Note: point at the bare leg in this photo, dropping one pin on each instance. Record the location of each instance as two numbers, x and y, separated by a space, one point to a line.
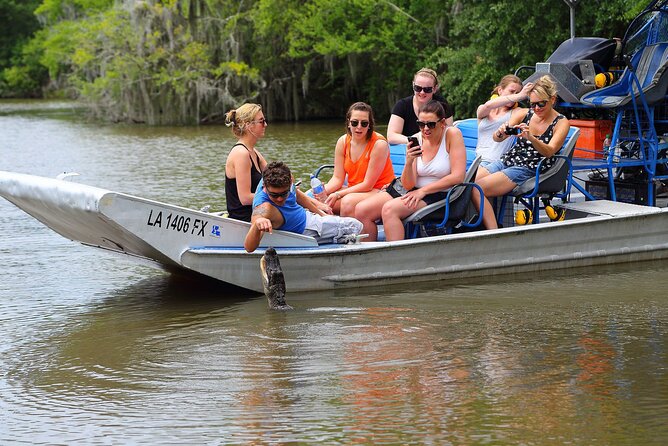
488 217
348 203
368 211
393 212
494 185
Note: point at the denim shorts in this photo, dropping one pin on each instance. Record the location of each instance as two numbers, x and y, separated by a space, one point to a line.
516 174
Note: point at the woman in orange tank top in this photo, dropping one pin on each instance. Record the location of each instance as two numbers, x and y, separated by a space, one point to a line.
361 155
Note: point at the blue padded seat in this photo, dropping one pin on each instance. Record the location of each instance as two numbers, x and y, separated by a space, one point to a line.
650 70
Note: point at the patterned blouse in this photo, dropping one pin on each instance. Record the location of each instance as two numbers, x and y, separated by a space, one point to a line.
523 153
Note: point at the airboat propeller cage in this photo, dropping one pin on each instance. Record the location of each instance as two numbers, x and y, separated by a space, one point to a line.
573 65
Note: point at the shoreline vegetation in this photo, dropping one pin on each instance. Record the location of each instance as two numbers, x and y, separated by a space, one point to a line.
186 62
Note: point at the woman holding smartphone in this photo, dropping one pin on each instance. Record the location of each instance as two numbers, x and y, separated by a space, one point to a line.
433 166
363 157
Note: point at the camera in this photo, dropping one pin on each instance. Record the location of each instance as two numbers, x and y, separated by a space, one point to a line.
513 130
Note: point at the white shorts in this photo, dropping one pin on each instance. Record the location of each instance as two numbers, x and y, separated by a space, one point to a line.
331 228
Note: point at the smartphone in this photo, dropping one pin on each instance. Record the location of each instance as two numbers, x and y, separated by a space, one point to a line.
416 143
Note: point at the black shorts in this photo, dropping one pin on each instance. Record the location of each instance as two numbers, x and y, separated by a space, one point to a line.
433 198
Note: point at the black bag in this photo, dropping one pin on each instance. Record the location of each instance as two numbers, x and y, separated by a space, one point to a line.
396 189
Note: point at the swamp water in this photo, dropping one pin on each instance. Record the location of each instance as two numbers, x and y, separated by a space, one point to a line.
98 350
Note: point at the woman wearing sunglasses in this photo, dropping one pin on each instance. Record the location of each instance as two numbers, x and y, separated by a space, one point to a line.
404 113
540 130
362 156
244 164
499 109
433 166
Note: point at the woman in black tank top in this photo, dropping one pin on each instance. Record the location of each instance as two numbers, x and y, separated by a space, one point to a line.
244 164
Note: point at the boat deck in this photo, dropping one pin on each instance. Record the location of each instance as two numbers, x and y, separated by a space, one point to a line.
610 208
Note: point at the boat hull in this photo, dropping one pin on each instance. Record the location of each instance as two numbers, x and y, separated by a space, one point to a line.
173 237
583 243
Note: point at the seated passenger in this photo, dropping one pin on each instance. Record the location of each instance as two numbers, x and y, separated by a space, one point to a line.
244 164
278 204
432 167
498 110
542 132
404 113
362 156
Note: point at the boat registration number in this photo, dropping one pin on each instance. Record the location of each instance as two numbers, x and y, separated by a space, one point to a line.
177 222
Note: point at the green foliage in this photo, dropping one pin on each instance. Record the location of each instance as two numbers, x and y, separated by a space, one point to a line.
17 23
53 11
188 61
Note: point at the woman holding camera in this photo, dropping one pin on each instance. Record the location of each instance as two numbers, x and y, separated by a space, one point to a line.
499 109
404 113
433 165
540 130
362 156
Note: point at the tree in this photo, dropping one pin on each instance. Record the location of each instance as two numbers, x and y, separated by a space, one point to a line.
18 23
188 61
489 39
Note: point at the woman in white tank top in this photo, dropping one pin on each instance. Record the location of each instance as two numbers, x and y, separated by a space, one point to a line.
432 167
496 111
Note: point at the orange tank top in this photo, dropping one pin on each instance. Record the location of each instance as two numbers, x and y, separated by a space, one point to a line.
356 170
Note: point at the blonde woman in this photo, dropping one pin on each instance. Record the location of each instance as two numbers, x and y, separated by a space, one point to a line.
404 113
541 131
244 164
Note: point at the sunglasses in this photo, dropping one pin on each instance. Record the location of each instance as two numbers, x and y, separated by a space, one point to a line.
429 124
419 89
260 121
355 123
283 194
539 104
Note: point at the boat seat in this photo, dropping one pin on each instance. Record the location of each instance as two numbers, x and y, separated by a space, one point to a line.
469 129
573 66
452 212
647 68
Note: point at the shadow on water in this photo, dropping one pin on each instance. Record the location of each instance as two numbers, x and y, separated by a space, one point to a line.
617 281
127 334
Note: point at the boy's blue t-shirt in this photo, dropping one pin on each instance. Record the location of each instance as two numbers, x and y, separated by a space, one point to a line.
294 215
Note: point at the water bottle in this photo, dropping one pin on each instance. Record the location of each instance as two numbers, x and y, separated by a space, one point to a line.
318 189
606 145
618 152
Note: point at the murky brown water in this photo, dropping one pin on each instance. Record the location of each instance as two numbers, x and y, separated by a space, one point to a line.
96 350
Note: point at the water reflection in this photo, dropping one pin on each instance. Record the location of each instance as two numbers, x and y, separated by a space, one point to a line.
449 364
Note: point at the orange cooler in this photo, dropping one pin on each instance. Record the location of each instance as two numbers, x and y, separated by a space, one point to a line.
592 135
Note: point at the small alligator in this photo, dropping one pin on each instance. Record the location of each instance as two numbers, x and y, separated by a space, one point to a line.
273 280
